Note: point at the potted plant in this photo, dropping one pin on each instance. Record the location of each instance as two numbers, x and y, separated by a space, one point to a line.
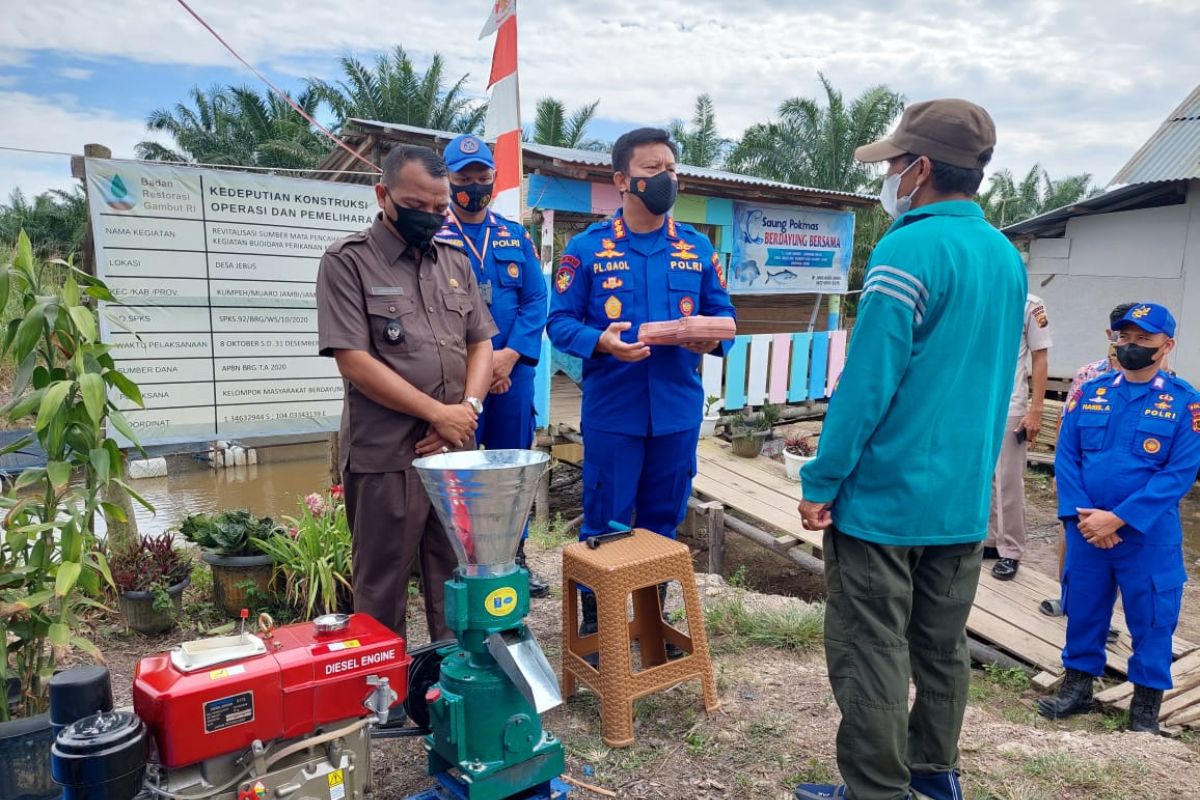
312 556
708 426
798 450
748 432
62 396
150 576
230 546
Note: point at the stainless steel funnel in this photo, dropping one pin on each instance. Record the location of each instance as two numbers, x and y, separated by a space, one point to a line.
482 498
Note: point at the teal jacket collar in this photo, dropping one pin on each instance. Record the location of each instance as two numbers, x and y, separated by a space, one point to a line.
946 208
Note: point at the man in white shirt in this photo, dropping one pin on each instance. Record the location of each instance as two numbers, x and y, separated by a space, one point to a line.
1006 527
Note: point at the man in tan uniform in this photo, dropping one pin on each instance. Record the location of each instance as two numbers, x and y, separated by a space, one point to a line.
402 315
1006 525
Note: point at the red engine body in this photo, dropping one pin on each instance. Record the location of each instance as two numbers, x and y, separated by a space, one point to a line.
304 680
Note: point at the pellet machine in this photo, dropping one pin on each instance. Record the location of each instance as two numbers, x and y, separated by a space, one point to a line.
289 713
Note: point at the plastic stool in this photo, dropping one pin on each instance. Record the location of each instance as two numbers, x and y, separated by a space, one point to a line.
615 571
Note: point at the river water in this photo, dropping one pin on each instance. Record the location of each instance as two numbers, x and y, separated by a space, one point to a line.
274 488
271 489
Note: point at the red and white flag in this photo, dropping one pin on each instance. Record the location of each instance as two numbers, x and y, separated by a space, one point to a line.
504 109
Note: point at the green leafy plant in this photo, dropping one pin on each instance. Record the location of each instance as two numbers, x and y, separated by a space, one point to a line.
50 568
312 556
711 402
153 564
230 533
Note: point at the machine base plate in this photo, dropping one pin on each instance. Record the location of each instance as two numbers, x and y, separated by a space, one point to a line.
451 788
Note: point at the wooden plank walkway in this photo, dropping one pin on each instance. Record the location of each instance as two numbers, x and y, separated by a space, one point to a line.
1005 615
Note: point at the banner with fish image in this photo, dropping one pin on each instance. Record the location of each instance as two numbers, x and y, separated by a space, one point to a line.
790 250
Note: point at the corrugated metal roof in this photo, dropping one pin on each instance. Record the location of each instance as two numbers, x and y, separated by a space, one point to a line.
1118 198
1172 153
598 158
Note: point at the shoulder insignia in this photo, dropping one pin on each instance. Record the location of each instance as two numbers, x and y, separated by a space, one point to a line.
565 275
618 226
1039 314
671 231
720 268
452 241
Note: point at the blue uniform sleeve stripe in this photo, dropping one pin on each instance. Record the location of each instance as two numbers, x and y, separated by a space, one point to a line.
922 292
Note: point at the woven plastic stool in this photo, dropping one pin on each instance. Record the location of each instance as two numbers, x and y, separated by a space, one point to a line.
615 571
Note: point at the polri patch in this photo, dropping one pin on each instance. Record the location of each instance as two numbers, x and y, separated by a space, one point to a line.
1151 445
1195 409
514 271
686 306
1039 314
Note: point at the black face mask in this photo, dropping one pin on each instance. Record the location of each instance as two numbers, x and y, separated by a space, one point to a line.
473 196
656 193
1135 356
416 227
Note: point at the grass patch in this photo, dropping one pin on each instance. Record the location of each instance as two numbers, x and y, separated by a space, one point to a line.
1012 679
740 577
1059 772
799 630
552 535
815 771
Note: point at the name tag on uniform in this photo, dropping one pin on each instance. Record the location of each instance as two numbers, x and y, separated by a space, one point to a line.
485 291
387 291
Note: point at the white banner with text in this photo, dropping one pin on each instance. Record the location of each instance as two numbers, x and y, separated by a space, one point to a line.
215 273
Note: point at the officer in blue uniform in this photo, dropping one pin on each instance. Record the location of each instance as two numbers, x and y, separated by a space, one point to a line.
1127 454
510 281
642 406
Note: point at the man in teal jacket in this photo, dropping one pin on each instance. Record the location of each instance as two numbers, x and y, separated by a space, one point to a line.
902 480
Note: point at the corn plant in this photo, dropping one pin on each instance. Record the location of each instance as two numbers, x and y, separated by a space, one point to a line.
50 567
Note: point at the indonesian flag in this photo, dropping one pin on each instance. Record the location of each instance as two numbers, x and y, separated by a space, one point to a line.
504 109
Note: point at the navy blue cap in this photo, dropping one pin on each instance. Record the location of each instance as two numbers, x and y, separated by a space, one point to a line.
1150 317
465 150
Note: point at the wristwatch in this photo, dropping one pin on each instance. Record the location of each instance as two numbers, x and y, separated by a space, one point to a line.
474 403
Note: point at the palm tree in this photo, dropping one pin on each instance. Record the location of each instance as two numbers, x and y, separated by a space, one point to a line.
394 91
277 134
54 221
237 126
811 145
1006 201
204 132
701 145
553 127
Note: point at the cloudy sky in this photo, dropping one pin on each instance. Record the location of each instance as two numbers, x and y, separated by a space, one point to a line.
1076 86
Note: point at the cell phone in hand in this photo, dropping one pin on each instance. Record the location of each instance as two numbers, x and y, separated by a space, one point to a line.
1021 435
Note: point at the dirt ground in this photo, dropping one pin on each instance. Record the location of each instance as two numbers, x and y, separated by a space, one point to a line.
777 722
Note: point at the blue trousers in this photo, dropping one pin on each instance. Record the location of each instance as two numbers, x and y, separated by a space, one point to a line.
647 477
508 419
1150 577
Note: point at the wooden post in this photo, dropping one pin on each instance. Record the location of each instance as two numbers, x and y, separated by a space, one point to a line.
541 500
87 259
714 518
335 469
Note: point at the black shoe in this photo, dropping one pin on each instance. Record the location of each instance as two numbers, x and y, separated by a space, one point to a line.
1005 569
537 586
1074 697
990 554
673 650
1143 710
589 625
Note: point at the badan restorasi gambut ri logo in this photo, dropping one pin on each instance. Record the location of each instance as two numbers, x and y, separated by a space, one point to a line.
119 195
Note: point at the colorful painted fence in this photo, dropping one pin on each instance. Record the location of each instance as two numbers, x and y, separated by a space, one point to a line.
777 368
